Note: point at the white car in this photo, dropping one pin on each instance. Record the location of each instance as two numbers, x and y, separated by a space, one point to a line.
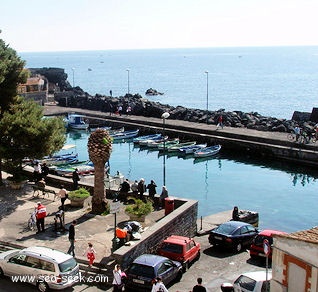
41 266
250 282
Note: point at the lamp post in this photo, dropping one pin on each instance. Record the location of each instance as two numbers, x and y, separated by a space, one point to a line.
127 80
207 96
73 69
164 116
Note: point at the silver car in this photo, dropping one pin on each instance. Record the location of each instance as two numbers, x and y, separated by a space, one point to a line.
41 266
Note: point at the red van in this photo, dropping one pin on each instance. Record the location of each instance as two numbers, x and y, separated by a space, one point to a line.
257 249
180 248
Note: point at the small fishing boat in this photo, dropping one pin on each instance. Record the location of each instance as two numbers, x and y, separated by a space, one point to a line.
76 122
125 135
207 151
165 145
146 137
83 168
191 148
157 139
175 148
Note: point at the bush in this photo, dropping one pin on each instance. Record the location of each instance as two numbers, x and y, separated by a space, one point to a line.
81 193
139 208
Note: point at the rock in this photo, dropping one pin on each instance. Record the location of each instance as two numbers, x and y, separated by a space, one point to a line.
152 91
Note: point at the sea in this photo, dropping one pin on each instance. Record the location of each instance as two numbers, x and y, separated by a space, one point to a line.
273 81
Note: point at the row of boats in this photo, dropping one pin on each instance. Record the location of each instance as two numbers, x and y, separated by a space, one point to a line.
157 141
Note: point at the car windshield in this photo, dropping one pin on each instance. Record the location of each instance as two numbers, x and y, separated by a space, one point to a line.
142 270
171 247
225 229
260 239
68 265
246 283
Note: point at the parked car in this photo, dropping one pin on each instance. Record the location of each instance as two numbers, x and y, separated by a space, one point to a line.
233 234
250 282
257 246
52 269
145 268
180 248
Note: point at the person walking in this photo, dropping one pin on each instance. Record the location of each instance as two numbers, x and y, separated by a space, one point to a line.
220 122
199 287
71 238
117 282
37 172
63 196
40 214
75 178
90 253
134 187
163 196
158 286
152 189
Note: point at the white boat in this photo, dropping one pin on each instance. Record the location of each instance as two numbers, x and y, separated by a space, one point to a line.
146 137
77 122
191 148
175 148
164 144
156 139
125 135
207 151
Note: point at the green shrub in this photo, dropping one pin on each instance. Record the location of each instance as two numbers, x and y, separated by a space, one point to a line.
81 193
139 208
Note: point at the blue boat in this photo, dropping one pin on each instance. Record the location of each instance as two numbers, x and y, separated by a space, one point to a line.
76 122
191 148
207 151
125 135
146 137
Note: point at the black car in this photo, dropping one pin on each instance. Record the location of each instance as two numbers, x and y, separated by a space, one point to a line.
147 267
233 234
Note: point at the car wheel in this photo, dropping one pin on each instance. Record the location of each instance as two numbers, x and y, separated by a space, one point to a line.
42 286
1 273
198 256
185 266
238 247
179 276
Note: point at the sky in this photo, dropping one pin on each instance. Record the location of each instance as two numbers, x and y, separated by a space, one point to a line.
77 25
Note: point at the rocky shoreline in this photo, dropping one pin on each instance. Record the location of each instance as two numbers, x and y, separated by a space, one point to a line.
140 106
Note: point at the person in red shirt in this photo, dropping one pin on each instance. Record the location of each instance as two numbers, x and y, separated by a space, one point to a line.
40 214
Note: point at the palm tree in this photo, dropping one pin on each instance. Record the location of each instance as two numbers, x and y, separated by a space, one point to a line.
99 149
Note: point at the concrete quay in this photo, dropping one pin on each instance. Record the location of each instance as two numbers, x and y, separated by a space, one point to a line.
273 145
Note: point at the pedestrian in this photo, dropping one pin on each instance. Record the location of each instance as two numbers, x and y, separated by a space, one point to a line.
76 178
111 93
63 196
37 171
158 286
297 131
134 187
40 214
163 196
110 109
220 122
141 188
120 110
235 214
152 189
117 282
71 238
90 254
128 110
199 287
45 170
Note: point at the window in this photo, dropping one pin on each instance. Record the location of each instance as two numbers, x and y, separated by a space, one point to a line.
33 262
164 267
18 259
246 283
47 266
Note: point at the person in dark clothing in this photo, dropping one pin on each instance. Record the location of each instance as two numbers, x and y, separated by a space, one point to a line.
199 287
152 189
235 214
76 178
141 188
45 170
71 238
125 186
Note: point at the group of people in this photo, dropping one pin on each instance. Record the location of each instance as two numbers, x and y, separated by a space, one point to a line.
40 171
140 188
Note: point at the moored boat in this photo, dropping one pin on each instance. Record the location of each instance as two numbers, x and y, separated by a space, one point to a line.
146 137
76 122
191 148
176 147
169 143
207 151
157 139
125 135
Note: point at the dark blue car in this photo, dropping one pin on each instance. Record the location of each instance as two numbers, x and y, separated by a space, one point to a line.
147 267
233 235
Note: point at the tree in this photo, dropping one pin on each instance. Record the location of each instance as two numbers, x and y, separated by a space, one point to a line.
12 73
26 133
99 150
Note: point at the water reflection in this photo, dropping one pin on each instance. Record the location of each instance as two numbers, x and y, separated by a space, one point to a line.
302 178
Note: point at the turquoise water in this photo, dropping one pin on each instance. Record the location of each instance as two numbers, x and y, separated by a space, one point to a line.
284 195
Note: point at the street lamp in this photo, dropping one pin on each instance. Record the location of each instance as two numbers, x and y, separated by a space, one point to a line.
164 116
73 69
207 96
128 80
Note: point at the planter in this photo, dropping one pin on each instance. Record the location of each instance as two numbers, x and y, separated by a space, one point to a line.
16 185
77 202
133 217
